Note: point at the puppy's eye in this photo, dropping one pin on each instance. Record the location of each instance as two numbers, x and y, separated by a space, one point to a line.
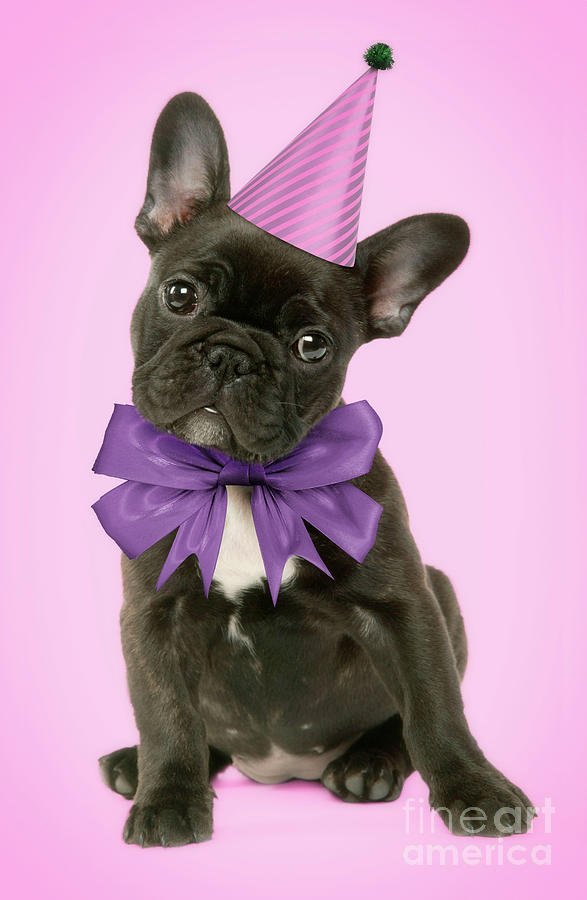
180 297
311 347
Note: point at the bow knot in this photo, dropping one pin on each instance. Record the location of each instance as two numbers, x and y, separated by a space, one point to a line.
173 486
236 472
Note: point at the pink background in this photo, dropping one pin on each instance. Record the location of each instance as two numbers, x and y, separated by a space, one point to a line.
482 400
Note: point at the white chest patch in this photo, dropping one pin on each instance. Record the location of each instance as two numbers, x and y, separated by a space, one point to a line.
240 564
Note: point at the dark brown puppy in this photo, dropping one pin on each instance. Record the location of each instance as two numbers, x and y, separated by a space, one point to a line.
242 342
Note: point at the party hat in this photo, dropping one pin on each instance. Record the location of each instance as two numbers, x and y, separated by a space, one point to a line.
310 194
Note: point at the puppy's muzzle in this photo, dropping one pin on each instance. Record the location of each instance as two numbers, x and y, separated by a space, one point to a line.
195 365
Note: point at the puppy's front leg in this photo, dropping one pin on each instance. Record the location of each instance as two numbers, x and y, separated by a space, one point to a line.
173 802
406 638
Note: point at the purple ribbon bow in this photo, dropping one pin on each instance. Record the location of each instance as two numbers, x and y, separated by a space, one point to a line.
172 485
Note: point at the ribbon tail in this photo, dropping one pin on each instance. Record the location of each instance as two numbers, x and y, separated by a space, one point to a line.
200 534
281 534
342 512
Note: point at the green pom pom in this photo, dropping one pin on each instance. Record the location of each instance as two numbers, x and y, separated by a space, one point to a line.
379 56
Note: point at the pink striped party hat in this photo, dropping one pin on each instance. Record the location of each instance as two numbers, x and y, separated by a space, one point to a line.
310 194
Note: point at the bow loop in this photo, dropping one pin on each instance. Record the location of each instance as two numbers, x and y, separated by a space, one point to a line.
340 447
172 485
134 449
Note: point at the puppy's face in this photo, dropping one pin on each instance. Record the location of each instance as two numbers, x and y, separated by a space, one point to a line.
242 341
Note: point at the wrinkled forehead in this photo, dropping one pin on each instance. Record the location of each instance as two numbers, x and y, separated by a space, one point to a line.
220 237
253 275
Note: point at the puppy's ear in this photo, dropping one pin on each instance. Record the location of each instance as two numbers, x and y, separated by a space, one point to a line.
188 167
403 263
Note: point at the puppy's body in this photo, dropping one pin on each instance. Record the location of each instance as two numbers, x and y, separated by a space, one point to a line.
242 342
276 681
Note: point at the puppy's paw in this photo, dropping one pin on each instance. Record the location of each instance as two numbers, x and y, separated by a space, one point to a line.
119 771
482 803
168 825
364 777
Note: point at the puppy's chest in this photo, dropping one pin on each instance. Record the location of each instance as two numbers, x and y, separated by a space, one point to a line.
240 564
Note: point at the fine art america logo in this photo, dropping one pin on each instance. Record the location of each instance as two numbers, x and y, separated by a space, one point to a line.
421 823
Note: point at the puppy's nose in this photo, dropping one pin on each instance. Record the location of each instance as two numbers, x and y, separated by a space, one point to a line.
229 363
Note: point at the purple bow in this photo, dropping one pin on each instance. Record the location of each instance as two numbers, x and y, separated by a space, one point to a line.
172 485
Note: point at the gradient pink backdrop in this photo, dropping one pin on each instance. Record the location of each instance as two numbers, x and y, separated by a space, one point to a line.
482 400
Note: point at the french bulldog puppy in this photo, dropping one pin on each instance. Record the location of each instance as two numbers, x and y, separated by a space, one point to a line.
241 343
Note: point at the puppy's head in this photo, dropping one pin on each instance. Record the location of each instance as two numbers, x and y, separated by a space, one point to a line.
242 341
